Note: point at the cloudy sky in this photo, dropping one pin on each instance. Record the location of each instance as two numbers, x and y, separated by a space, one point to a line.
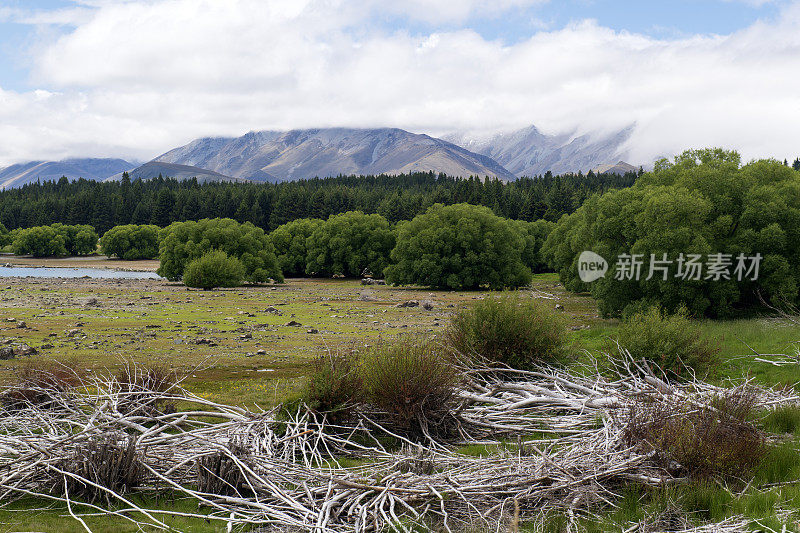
134 78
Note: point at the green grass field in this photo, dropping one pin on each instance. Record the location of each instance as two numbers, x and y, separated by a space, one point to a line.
235 346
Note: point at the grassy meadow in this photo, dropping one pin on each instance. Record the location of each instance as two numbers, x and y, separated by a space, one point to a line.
253 345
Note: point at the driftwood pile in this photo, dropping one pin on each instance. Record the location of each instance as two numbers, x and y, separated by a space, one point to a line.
558 436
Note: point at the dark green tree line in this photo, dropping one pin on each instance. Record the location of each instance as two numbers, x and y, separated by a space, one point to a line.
162 201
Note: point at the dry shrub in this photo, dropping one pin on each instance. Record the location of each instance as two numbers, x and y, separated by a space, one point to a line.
334 385
111 462
518 332
140 388
219 473
41 384
412 381
701 442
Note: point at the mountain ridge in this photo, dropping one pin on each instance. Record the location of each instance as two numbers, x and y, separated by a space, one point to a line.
275 156
297 154
529 152
153 169
98 169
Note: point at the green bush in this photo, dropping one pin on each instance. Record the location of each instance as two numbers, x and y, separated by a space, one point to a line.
350 244
183 242
39 241
458 247
78 239
5 236
290 240
55 240
509 330
131 242
413 381
674 343
703 203
534 234
214 269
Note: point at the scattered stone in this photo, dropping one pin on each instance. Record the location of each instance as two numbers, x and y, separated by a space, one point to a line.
9 319
250 354
206 341
427 305
74 332
261 351
22 325
91 300
410 303
246 336
293 323
272 310
17 350
367 296
313 331
559 307
46 346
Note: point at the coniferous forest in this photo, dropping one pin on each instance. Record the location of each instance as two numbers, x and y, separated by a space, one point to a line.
162 201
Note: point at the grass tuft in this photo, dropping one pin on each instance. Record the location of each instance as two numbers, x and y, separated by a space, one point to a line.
510 330
413 381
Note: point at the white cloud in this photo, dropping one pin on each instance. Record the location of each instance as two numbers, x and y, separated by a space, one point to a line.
138 78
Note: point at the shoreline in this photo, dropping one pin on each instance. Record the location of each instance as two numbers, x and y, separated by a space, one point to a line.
100 262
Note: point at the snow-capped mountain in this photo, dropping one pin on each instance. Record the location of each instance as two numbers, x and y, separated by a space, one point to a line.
529 152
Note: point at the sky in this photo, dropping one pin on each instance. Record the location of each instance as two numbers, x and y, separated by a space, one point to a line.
135 78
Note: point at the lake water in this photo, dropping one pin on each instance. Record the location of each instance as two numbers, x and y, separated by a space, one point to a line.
59 272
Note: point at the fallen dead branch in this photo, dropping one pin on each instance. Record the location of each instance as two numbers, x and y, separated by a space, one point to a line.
278 469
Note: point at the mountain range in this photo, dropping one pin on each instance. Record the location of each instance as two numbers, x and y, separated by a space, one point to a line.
90 169
528 152
276 156
297 154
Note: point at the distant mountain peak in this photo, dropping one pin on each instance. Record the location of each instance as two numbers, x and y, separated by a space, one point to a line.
153 169
529 152
621 167
321 152
88 168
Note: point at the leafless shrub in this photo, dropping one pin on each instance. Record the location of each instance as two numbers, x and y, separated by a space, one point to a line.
40 383
221 473
421 462
111 462
702 441
140 388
